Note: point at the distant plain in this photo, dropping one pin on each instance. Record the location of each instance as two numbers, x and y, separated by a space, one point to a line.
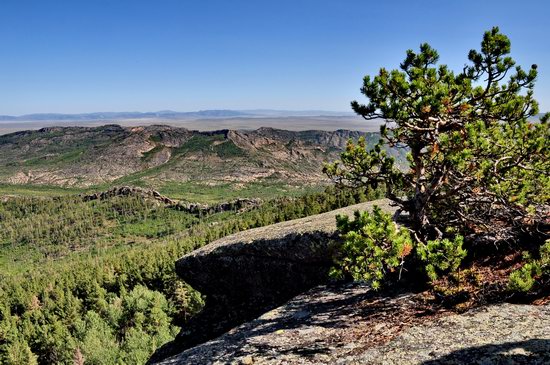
292 123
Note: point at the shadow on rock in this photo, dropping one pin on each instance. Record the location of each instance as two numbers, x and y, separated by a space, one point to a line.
242 280
532 352
250 338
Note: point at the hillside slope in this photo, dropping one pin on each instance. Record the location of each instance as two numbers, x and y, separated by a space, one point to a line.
159 155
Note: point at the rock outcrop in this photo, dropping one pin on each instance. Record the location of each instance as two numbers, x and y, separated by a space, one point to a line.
248 273
268 302
237 205
128 191
352 325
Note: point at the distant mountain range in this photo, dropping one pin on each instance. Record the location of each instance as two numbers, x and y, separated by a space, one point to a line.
537 117
169 114
173 115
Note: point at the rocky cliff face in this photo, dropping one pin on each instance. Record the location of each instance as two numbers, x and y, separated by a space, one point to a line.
248 273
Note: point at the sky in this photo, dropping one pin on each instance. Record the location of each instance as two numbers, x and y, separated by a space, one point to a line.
76 56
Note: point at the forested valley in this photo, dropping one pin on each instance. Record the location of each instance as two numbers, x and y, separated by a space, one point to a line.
95 280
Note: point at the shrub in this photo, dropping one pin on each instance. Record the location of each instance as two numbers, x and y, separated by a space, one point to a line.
525 278
441 256
374 250
373 247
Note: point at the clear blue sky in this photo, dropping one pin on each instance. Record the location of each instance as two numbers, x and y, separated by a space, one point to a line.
116 55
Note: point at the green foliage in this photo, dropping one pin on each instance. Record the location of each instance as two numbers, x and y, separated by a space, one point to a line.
186 300
19 353
97 340
33 229
36 190
523 279
441 256
199 144
373 247
267 189
375 250
526 277
228 149
475 158
148 155
110 294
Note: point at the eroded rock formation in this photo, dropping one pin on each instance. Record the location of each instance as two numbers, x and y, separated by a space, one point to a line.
237 205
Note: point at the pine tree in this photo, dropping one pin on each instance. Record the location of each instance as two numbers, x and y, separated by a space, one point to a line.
477 162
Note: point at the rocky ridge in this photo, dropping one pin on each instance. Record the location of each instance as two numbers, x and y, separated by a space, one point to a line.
86 156
238 205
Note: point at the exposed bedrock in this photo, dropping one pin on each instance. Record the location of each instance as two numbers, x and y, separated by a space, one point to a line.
251 272
236 205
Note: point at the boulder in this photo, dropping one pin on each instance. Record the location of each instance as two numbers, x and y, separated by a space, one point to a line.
248 273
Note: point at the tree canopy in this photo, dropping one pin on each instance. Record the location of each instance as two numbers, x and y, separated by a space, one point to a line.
478 160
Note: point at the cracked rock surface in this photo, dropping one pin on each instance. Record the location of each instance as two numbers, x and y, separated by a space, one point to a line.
351 325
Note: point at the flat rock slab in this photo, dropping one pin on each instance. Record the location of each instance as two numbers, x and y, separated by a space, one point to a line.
267 264
241 256
262 268
352 325
324 222
497 334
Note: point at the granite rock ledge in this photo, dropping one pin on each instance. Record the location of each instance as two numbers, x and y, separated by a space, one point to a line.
248 273
351 325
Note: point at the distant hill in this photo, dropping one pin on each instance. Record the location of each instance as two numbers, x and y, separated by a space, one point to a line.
296 113
168 114
537 117
162 156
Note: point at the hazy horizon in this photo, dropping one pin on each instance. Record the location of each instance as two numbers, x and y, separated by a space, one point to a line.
292 123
